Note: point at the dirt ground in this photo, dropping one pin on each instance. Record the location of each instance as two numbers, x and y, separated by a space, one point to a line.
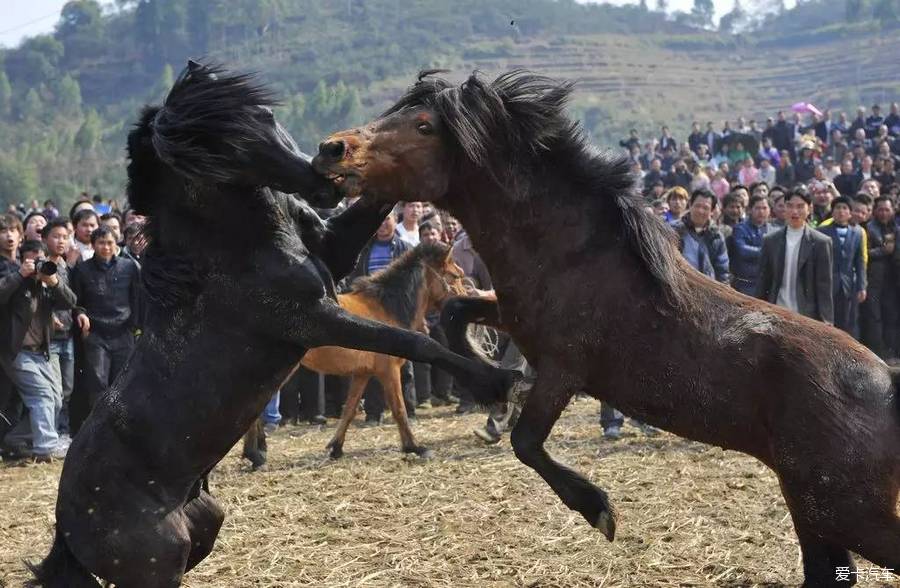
689 515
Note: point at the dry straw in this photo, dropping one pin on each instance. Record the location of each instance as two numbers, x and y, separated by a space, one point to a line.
690 515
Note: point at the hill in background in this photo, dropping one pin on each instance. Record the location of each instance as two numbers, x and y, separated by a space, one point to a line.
66 99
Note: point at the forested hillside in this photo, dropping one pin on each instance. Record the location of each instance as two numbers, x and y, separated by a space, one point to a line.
66 99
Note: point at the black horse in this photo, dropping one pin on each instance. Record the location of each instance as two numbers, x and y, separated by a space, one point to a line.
594 292
238 278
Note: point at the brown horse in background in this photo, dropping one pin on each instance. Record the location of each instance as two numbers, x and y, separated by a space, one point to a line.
594 292
413 285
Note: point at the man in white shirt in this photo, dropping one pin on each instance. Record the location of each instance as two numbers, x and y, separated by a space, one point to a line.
795 266
408 229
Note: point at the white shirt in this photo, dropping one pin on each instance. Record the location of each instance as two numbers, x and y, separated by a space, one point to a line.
787 295
86 250
410 236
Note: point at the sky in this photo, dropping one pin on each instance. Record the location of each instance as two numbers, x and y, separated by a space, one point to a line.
24 18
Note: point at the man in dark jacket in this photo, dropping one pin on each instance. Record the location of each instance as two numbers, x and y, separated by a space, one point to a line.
878 313
795 266
701 242
28 296
747 240
108 291
849 270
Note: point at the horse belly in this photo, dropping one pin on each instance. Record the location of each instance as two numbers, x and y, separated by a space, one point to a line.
338 361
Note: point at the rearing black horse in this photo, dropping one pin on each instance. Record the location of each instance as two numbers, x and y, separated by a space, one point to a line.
238 277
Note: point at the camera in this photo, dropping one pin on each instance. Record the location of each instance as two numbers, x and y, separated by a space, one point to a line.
45 267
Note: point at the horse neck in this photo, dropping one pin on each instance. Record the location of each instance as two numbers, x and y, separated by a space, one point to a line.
404 296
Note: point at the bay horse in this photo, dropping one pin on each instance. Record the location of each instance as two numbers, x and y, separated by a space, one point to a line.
594 292
416 283
239 282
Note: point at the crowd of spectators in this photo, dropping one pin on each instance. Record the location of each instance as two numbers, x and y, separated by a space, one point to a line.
800 213
70 308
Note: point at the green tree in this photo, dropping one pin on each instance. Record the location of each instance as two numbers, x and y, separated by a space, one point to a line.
730 21
67 96
88 135
855 10
702 13
18 183
662 5
147 24
886 11
32 106
5 95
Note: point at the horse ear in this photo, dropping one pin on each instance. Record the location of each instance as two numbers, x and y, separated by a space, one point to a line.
194 66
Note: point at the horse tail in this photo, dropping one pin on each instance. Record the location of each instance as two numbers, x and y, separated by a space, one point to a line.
60 569
895 382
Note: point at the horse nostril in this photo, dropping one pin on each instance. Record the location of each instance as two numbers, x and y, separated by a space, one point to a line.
332 149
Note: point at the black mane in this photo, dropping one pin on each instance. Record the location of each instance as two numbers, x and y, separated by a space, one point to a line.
513 126
208 116
397 286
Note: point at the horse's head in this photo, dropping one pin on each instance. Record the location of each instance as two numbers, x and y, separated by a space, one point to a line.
438 130
218 128
443 277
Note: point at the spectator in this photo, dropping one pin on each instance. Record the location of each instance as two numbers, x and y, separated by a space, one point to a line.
113 222
805 169
701 242
660 208
838 148
99 207
874 121
767 173
86 222
667 142
408 229
860 141
732 210
847 182
892 122
747 240
27 300
768 153
34 224
677 200
887 175
795 264
711 138
632 141
738 155
50 211
849 269
784 173
696 138
842 123
824 127
865 170
878 314
720 186
823 192
653 175
57 239
108 290
859 123
783 135
680 176
748 173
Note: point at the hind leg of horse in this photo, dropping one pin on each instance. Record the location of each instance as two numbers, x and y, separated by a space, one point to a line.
551 393
354 395
203 517
393 395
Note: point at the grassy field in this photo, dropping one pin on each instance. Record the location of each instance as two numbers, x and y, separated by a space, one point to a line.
690 515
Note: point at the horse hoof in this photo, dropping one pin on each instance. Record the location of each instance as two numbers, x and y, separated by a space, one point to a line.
605 524
335 451
424 453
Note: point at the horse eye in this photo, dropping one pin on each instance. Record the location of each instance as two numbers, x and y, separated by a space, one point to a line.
425 128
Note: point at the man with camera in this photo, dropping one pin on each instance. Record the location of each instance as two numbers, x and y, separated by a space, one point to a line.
28 295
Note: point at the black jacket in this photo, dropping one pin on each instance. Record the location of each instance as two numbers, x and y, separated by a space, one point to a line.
814 272
16 294
109 294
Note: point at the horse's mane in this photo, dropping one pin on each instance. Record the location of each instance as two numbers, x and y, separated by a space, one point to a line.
507 126
396 287
177 152
209 102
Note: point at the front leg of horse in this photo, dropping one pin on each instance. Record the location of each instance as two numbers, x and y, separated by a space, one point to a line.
328 324
546 401
203 518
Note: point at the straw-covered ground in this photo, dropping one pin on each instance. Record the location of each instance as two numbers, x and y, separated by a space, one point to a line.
472 516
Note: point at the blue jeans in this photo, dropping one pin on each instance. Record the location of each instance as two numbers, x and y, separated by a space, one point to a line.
62 358
271 414
37 385
610 417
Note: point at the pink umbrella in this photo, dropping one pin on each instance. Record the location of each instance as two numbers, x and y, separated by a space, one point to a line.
806 107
